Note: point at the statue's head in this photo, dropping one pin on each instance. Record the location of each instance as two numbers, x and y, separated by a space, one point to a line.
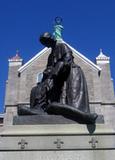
47 39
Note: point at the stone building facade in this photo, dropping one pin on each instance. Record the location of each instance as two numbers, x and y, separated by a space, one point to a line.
22 77
58 141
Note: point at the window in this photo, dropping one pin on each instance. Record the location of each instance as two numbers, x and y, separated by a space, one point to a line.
39 77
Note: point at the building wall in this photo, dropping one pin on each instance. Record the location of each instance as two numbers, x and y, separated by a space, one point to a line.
100 87
28 78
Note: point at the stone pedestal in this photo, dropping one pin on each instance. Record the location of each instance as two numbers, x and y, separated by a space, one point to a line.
57 142
47 119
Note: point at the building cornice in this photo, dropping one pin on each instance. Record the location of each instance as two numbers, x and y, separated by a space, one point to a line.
75 52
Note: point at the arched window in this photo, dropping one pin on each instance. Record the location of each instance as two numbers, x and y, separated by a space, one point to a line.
39 77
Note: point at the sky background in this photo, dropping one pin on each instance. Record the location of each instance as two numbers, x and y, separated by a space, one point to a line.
88 26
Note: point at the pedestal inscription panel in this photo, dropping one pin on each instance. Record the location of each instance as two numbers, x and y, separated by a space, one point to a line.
59 155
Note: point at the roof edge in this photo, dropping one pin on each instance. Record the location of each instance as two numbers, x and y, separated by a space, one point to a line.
22 68
86 60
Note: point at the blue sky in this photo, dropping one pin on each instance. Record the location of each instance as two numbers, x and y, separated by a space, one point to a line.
88 26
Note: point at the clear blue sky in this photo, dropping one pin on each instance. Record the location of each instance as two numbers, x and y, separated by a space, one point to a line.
88 26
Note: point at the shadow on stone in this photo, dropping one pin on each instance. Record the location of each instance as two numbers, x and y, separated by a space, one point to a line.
91 128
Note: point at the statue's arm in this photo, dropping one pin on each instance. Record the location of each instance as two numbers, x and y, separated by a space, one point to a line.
63 64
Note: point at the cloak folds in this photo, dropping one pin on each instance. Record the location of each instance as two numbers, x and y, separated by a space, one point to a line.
69 95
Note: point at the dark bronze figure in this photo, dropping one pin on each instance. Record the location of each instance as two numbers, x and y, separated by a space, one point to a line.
63 89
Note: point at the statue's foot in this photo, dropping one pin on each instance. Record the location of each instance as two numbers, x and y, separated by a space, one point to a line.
24 110
91 118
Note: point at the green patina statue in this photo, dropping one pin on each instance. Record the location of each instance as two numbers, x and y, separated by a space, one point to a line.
58 28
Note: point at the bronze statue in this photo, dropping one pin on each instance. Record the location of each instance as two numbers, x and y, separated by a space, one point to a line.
63 89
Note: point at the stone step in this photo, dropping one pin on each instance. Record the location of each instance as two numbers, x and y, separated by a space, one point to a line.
56 137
